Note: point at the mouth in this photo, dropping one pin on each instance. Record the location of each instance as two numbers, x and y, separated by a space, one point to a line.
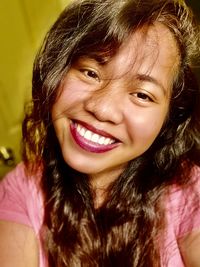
92 139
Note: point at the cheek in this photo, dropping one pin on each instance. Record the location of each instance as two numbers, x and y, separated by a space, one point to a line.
146 126
71 93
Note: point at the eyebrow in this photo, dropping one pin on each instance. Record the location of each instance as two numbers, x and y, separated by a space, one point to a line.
101 60
98 58
150 79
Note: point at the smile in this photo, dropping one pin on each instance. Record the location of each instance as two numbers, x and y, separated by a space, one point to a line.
90 140
96 138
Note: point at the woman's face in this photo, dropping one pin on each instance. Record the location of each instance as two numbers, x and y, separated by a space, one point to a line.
110 112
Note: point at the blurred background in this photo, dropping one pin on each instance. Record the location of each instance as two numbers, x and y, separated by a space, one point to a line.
23 24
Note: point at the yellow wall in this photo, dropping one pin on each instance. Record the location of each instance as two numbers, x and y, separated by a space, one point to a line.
23 24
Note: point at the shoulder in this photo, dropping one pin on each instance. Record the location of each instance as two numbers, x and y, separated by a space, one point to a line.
183 204
21 198
20 206
189 240
190 248
18 245
182 231
18 177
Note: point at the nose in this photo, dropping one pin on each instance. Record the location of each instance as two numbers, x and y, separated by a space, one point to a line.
106 105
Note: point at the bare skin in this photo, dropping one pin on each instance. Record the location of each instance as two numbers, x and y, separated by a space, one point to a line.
121 99
18 245
190 249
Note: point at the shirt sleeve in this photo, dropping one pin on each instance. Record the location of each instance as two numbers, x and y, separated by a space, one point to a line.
184 206
20 201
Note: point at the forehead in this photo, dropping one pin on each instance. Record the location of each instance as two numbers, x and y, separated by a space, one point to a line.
150 51
150 45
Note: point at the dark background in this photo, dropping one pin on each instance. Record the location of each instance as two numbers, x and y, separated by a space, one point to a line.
195 5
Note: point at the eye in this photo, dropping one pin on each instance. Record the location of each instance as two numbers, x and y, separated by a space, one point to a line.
144 96
91 74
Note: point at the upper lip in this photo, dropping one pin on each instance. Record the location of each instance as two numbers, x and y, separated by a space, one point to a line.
95 130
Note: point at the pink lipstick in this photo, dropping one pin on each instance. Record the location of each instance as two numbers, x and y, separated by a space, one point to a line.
108 144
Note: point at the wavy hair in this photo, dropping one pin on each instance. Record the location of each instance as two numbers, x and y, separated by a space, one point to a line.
125 230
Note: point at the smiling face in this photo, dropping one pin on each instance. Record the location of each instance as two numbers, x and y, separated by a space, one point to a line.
110 112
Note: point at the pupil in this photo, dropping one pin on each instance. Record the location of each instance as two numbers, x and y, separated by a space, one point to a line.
141 95
92 74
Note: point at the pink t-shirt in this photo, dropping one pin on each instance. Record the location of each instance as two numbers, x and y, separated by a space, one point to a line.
21 202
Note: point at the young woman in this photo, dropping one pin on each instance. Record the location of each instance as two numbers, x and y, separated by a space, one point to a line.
111 140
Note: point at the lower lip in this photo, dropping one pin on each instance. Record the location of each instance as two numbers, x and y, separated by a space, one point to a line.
88 145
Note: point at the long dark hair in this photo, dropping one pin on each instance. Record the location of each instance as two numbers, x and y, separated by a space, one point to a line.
125 230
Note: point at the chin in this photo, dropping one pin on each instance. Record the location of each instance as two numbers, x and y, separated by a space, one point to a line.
79 165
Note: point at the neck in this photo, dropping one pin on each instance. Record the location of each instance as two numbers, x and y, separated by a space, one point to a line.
100 183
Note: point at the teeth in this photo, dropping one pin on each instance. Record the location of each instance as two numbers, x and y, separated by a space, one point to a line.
78 128
107 141
88 135
101 140
82 131
96 138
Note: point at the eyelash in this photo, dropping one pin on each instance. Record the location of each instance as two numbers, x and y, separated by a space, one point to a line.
91 74
143 97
